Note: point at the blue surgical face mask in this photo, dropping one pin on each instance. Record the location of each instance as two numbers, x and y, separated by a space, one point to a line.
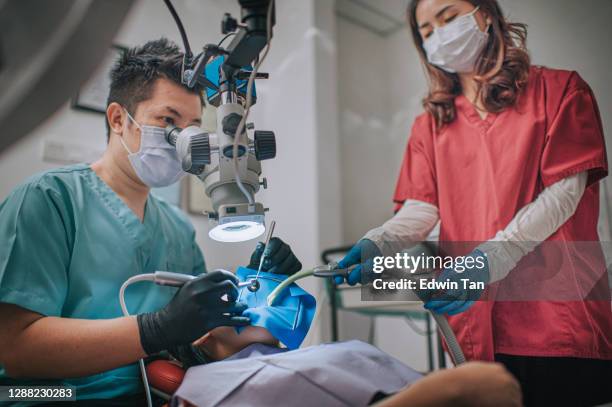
456 46
156 163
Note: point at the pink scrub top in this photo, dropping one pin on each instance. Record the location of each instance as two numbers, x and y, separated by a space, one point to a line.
480 173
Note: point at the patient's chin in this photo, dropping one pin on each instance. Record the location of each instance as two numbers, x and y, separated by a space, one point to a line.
228 341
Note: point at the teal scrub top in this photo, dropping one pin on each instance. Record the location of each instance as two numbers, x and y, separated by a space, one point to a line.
68 244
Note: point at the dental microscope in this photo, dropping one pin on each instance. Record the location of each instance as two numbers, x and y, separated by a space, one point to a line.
228 161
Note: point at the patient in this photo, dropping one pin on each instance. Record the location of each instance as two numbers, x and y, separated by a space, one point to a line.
250 368
223 342
473 384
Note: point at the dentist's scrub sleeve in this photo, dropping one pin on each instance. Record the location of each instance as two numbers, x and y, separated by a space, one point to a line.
480 172
68 244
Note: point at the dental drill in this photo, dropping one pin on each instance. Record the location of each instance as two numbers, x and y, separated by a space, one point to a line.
170 279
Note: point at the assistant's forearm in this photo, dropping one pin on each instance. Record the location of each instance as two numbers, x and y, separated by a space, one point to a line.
410 225
53 347
533 224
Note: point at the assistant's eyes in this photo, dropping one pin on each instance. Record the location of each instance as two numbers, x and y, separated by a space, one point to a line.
426 32
449 19
168 120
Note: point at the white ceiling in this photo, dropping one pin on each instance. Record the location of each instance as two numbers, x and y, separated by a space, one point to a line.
383 17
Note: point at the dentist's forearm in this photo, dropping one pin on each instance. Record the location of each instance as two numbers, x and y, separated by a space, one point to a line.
53 347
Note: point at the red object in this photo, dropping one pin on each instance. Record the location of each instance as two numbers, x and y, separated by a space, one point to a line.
165 375
481 172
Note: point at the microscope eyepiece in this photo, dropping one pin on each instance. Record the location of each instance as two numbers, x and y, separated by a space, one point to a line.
172 133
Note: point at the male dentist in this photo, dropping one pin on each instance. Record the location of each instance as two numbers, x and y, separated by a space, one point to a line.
71 236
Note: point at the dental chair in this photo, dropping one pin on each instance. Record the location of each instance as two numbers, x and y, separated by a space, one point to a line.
164 377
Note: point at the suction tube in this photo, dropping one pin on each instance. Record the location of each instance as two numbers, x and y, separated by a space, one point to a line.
449 337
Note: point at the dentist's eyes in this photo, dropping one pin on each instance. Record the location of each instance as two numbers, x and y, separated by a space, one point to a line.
168 120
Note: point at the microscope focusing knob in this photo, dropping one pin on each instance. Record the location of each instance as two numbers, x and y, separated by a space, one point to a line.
230 123
200 150
265 145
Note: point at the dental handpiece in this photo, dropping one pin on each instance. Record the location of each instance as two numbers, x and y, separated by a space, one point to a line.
168 278
171 279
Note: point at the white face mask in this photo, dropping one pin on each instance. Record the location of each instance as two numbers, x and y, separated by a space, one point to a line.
156 163
456 46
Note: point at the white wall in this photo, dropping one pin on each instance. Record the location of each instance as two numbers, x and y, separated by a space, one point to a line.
297 102
380 87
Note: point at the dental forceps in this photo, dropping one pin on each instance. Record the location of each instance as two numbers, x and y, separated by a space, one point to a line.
331 270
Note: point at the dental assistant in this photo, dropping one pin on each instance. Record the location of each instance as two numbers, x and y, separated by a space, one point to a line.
71 236
507 155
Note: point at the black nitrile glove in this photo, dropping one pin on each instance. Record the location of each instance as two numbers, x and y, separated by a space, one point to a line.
196 308
279 258
189 355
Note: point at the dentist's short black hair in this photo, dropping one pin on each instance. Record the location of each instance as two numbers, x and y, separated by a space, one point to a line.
137 69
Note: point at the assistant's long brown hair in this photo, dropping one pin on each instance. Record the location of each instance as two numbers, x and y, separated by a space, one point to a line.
502 69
